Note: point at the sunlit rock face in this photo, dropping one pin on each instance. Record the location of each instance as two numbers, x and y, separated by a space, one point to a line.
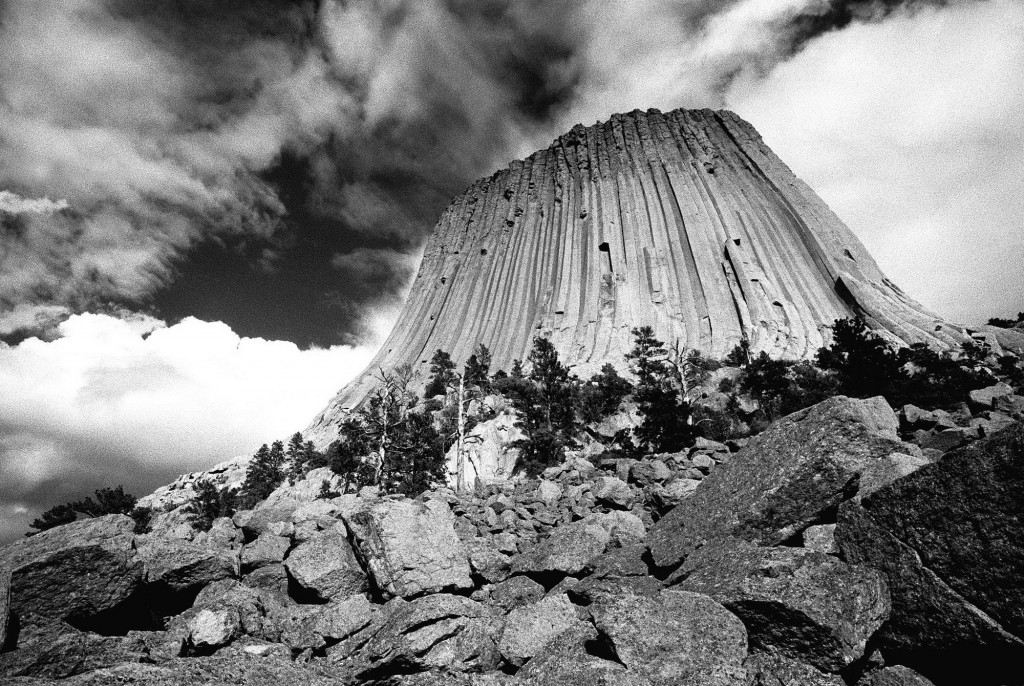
685 221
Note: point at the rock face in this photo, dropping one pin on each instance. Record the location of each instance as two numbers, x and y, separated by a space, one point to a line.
685 221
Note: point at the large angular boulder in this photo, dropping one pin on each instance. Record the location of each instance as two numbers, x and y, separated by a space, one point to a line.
326 567
673 638
180 566
950 539
568 550
435 631
76 572
410 547
783 480
50 649
565 661
799 603
267 549
529 628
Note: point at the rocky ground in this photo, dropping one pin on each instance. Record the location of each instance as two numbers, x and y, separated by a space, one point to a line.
846 544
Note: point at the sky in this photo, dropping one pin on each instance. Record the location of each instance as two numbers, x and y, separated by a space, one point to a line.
210 210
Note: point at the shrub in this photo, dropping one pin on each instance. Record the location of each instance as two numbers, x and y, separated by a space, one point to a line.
666 426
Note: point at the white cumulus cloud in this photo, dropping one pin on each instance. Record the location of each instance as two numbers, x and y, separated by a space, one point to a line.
131 400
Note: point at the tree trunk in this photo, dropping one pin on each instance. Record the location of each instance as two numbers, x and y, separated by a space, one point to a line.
460 451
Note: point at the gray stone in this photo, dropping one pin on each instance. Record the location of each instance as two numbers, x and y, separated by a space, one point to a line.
897 675
50 649
434 631
985 398
913 418
326 565
783 480
485 560
888 469
948 439
411 547
531 627
271 578
796 602
674 638
566 662
1012 405
76 571
821 538
567 551
650 471
516 592
210 629
181 566
949 538
769 669
266 550
548 492
614 492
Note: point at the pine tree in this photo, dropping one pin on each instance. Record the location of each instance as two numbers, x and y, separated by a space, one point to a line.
442 374
545 403
477 370
209 503
104 501
264 474
658 392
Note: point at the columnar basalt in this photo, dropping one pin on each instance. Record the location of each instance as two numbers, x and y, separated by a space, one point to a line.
685 221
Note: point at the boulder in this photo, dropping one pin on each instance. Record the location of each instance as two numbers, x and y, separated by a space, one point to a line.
888 469
799 603
673 638
565 661
51 649
769 669
821 538
211 629
950 539
79 572
783 480
516 592
410 547
531 627
567 551
613 492
487 562
267 549
897 675
948 439
648 472
1012 405
325 566
182 566
434 631
985 398
913 418
548 492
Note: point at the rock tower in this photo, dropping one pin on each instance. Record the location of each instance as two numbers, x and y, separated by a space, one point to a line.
685 221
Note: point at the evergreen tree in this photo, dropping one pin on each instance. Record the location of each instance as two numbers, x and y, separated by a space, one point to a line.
347 456
442 374
103 501
417 457
209 503
863 361
264 474
477 370
545 406
666 426
602 394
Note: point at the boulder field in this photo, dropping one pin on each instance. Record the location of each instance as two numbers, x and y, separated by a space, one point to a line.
824 551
